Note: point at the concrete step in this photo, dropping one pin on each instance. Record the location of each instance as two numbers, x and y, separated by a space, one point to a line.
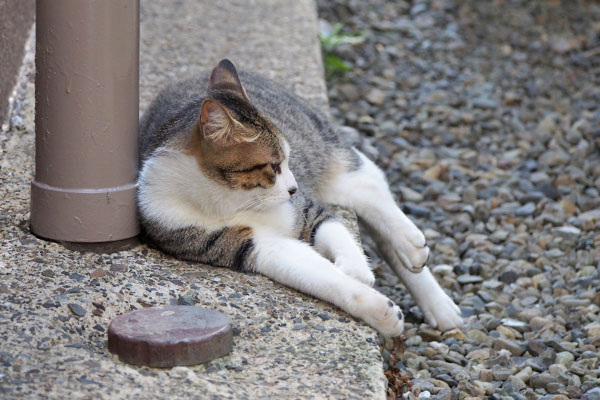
287 345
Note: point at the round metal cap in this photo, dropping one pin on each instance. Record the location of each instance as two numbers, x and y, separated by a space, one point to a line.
168 336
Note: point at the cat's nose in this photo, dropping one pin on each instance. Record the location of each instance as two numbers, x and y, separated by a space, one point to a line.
293 190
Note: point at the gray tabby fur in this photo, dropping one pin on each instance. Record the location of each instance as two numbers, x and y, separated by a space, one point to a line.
312 137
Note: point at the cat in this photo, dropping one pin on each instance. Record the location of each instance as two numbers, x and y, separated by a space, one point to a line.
237 176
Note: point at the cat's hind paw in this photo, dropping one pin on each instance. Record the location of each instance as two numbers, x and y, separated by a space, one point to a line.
412 250
440 311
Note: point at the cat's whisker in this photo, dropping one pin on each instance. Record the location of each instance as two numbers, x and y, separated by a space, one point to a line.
250 203
261 201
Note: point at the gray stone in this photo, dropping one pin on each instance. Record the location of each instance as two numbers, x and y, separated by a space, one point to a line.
467 311
534 364
444 394
413 341
592 394
588 271
555 387
554 158
349 91
500 373
525 210
588 216
554 253
549 190
410 195
535 347
499 236
448 379
557 370
509 345
524 374
492 284
77 309
485 103
567 231
547 357
513 384
541 381
509 276
417 211
466 279
578 367
375 96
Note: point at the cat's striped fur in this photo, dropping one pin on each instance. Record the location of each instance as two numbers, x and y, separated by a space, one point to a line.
230 246
236 176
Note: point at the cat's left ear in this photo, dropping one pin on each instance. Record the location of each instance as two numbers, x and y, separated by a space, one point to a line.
216 122
224 76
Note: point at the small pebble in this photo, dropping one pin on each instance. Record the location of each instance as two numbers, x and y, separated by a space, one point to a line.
77 309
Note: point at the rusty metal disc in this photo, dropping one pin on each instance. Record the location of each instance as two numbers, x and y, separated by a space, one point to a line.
168 336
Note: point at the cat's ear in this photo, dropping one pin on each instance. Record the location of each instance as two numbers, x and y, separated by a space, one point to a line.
215 121
224 76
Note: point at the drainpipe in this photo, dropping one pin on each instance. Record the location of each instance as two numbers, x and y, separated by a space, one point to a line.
86 120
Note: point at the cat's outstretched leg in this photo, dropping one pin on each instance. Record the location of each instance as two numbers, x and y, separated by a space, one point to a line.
296 264
438 308
365 190
333 241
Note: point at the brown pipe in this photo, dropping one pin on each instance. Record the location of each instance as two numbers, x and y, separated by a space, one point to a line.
86 120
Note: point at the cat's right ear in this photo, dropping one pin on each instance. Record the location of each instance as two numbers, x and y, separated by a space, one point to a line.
224 76
216 124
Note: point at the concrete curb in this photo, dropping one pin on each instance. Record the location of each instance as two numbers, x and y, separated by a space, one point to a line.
285 344
16 18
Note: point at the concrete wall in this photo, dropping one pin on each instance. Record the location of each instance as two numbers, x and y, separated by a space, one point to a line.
16 17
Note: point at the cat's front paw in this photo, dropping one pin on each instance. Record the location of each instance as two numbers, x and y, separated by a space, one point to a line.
389 319
379 312
356 268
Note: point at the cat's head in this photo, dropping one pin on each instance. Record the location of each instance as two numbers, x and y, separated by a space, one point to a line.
239 148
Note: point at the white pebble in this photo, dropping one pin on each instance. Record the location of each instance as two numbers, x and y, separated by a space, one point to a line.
442 269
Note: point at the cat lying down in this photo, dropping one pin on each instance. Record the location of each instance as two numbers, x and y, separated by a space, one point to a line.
235 176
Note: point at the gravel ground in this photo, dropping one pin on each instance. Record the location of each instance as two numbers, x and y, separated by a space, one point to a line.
485 116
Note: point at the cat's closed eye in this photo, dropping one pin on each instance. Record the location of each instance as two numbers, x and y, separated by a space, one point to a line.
276 167
254 168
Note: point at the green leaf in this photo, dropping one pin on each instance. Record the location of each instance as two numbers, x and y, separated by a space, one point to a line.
334 64
330 42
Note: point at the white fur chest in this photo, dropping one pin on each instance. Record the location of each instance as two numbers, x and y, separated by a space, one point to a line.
278 221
